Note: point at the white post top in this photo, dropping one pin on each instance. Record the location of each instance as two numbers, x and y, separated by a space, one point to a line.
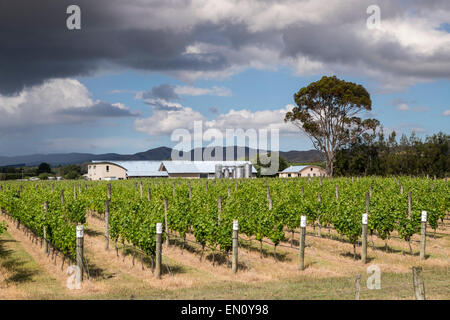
424 216
303 221
235 225
80 231
159 228
364 218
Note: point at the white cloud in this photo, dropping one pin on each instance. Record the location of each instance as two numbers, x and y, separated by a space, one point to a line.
164 122
56 101
246 119
446 113
194 91
403 107
406 107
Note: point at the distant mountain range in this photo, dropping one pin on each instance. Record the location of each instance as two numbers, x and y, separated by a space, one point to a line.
161 153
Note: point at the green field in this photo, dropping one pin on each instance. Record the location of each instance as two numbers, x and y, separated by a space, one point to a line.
196 264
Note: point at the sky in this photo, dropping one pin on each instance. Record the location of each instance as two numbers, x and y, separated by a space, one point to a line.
138 71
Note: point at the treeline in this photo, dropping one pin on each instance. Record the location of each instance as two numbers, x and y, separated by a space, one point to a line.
43 172
376 154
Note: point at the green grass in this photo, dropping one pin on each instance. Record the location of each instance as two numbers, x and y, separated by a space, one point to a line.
393 286
24 273
28 277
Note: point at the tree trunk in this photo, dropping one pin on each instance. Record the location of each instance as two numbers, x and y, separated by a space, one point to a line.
275 252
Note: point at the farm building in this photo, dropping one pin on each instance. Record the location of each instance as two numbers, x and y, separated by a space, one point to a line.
203 169
302 171
122 170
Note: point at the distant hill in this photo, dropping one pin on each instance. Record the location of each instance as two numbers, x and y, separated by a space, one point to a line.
303 156
161 153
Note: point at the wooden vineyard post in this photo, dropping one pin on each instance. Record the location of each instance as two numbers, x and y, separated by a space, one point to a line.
53 187
357 286
419 287
206 186
173 190
166 207
158 250
149 194
337 192
409 205
45 227
365 217
219 206
74 192
319 229
270 202
268 192
234 262
423 233
228 191
364 239
409 218
301 260
62 197
140 189
80 249
107 225
303 191
108 191
190 190
79 188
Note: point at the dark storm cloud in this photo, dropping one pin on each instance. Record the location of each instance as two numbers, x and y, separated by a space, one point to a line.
36 45
160 104
163 91
213 110
99 110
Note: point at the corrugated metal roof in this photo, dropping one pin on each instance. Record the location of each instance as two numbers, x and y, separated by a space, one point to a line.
294 169
147 174
139 168
151 168
200 166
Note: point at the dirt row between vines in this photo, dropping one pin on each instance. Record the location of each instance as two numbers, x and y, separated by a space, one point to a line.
325 258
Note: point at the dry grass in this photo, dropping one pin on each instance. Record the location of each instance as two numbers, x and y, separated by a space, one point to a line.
330 269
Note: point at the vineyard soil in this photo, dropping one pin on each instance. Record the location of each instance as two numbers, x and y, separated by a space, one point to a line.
329 274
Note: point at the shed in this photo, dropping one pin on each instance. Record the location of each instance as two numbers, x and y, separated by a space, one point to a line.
302 171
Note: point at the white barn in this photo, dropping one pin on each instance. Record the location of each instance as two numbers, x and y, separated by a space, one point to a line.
302 171
122 170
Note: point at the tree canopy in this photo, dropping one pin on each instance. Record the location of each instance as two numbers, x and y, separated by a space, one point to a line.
44 168
378 155
328 112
